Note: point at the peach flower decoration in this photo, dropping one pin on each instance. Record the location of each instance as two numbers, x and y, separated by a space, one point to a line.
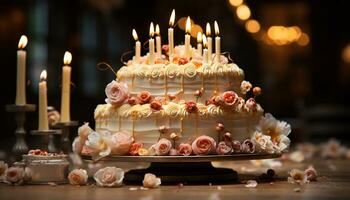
151 181
78 177
109 177
117 93
203 145
162 147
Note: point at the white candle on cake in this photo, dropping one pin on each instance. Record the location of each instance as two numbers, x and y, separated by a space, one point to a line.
43 120
188 38
217 43
21 71
151 44
65 95
209 41
158 41
171 34
205 51
137 46
199 43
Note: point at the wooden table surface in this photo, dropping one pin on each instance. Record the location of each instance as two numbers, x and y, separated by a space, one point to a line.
333 183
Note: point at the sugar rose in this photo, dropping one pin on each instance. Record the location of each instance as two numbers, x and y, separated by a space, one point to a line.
191 107
109 177
156 105
84 131
151 181
120 143
224 148
117 93
134 148
251 104
14 175
229 98
203 145
184 149
78 177
162 147
144 97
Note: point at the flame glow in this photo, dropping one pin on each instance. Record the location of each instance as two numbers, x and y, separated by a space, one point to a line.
172 18
157 30
22 42
188 25
204 41
67 58
208 30
216 28
43 75
151 30
199 37
134 34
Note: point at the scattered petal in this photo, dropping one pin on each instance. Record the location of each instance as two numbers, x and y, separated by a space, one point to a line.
251 184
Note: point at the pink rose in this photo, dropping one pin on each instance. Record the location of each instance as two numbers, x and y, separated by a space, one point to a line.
191 106
132 101
203 145
84 131
78 177
248 146
14 175
216 100
156 105
311 173
229 98
223 148
183 61
173 152
109 177
184 149
236 146
163 147
120 143
144 97
117 93
251 104
134 148
86 150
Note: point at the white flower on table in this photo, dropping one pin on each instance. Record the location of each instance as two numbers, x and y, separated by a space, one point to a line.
109 177
14 175
78 177
297 176
151 181
98 143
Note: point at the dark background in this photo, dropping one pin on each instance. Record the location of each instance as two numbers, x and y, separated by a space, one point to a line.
307 85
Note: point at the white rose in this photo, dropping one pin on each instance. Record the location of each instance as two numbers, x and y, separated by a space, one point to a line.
151 181
14 175
84 131
109 177
78 177
98 144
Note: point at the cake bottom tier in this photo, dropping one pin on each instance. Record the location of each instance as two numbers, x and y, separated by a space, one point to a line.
146 130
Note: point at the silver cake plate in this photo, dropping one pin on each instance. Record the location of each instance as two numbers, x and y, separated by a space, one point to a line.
184 169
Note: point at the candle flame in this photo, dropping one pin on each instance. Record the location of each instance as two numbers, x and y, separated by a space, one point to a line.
151 30
216 28
157 30
208 30
43 75
22 42
199 37
188 25
134 34
204 41
67 58
172 18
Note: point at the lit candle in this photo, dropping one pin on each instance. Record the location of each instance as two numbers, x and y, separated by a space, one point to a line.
171 34
65 97
21 71
217 43
205 51
188 38
43 120
151 44
199 43
137 46
209 41
158 41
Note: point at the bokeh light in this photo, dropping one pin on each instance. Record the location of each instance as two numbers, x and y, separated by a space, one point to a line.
236 2
243 12
252 26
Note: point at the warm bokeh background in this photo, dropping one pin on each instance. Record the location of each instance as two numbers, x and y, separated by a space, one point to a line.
297 51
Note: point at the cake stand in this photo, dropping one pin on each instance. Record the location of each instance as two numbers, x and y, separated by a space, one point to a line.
184 169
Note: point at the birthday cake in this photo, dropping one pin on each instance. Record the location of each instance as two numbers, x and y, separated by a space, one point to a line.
181 102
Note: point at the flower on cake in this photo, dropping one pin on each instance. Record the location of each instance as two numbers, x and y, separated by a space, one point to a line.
98 144
14 175
134 148
3 169
236 146
245 87
191 107
248 146
132 101
78 177
120 143
276 130
144 97
156 105
109 177
224 148
83 133
183 61
117 93
151 181
229 98
203 145
263 142
184 149
163 147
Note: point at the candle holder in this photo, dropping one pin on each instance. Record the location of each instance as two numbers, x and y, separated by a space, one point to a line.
65 127
20 147
45 138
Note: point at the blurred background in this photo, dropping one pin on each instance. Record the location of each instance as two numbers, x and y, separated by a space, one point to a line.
297 51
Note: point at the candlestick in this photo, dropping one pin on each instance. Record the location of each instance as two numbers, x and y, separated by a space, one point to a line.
171 35
43 121
188 38
209 42
151 44
65 95
21 71
158 41
217 43
205 51
137 46
199 43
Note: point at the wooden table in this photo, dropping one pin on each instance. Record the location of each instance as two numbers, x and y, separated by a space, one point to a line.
333 183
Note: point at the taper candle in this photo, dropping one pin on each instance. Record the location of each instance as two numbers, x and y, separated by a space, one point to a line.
158 41
217 43
137 46
65 95
199 43
151 44
209 41
205 51
188 38
21 71
171 34
43 119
